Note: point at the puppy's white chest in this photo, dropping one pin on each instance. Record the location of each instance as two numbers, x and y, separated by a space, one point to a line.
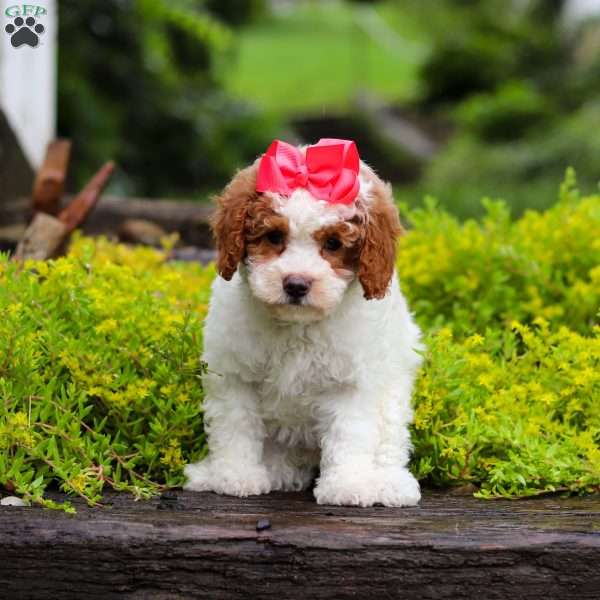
302 365
296 373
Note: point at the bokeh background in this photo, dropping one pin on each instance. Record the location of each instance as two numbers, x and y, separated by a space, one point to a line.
460 99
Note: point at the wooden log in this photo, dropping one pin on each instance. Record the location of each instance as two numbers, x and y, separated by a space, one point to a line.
10 236
49 184
76 212
43 239
140 231
208 546
16 211
46 236
189 219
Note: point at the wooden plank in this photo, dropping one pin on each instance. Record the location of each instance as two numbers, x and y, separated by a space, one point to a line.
207 546
49 184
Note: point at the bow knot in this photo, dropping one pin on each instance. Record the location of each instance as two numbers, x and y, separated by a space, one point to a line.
301 177
329 171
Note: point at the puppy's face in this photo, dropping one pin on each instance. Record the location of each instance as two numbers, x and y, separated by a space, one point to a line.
300 253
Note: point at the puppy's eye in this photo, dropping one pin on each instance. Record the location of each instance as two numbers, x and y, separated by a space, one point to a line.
275 237
332 244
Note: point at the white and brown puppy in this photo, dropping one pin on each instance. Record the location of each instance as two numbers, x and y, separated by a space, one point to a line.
311 349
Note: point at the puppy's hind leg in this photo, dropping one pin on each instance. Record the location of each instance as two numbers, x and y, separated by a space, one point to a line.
290 469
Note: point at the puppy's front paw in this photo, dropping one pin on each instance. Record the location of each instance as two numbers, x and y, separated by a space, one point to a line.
398 487
345 488
390 487
225 478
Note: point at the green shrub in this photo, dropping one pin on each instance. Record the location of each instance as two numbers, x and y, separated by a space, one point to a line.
515 412
477 275
475 50
100 373
507 113
463 63
138 82
509 397
494 80
524 172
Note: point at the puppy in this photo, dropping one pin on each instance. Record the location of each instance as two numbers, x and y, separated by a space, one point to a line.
311 349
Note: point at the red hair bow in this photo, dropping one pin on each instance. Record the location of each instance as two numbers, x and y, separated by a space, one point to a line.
329 171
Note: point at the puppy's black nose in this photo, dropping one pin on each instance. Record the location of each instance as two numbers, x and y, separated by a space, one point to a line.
296 286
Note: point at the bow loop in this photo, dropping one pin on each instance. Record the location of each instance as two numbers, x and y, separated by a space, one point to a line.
329 171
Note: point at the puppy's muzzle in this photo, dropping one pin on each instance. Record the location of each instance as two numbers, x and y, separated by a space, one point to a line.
296 287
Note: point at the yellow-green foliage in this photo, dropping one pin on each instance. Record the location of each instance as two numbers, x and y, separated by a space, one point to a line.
515 413
100 372
509 397
476 275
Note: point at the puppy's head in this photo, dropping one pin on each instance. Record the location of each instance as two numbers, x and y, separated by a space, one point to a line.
301 253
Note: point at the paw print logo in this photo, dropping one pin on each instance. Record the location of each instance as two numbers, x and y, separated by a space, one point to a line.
24 31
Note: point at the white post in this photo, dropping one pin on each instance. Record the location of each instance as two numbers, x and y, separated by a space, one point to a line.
28 73
578 10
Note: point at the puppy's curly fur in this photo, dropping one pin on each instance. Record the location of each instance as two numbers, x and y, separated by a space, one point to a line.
317 382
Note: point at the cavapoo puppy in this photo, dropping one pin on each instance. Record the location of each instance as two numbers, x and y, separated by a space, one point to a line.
311 349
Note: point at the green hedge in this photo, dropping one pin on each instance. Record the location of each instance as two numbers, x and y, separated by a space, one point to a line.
100 371
480 275
100 376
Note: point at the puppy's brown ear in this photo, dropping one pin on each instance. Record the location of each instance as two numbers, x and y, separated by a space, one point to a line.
378 255
229 220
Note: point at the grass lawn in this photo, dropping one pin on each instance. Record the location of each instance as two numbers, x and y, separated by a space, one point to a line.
316 56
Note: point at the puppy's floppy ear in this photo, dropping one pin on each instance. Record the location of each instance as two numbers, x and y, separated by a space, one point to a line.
378 255
229 220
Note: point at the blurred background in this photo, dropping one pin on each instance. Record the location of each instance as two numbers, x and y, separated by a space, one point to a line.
455 98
